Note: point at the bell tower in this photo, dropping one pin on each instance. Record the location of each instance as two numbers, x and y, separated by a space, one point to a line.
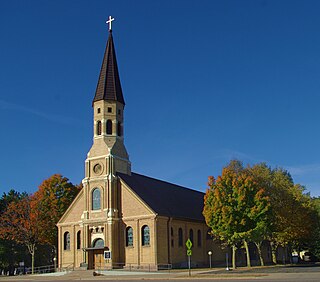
107 157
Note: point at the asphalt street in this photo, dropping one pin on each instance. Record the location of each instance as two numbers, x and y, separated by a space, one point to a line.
279 273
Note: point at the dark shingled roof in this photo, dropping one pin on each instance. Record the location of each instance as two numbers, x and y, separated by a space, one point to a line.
165 198
109 86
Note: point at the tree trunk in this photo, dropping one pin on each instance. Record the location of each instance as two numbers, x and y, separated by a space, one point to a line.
32 263
32 248
247 253
234 249
258 245
274 252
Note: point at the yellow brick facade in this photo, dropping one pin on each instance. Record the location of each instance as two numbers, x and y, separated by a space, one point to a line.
164 247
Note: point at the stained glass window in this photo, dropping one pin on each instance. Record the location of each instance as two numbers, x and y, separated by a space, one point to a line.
180 237
99 127
66 241
129 236
79 240
191 235
96 199
109 126
119 129
199 238
99 243
145 235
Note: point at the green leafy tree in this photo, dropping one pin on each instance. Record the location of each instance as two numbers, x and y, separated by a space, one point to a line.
290 220
235 207
262 175
314 244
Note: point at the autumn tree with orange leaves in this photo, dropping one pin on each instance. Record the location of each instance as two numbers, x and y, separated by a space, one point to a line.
20 223
11 252
52 199
235 207
31 220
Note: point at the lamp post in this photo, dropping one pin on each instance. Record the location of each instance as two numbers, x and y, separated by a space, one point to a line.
55 264
210 254
227 261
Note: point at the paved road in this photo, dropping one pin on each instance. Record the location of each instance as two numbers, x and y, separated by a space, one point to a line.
281 274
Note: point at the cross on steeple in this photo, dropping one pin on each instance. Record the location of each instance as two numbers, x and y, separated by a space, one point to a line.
110 21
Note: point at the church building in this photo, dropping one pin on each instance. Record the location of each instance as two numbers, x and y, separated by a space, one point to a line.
125 219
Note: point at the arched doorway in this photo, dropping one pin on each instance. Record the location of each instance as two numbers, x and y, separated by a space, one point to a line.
95 254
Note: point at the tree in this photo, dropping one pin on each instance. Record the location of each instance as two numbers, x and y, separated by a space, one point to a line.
10 251
262 176
235 207
314 244
19 223
52 199
290 221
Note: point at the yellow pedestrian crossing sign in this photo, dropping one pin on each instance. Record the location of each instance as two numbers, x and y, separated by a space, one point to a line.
189 244
189 252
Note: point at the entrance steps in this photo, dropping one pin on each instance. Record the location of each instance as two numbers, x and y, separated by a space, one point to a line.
80 274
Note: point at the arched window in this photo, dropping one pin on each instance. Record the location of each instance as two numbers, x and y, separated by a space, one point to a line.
199 238
145 235
191 235
119 129
98 127
79 240
180 235
98 243
172 240
66 241
109 127
129 236
96 199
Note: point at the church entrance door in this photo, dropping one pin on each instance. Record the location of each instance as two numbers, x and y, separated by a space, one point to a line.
96 255
98 259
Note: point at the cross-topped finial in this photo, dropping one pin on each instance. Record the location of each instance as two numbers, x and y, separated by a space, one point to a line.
109 22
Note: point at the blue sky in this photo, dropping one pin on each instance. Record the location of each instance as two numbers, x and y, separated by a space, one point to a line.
204 82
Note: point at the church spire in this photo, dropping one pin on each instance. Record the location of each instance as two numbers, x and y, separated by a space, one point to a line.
109 86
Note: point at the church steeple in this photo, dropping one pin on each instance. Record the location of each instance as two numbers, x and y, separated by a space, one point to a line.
108 118
109 86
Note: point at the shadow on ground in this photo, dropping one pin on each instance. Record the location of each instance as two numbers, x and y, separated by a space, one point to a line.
309 267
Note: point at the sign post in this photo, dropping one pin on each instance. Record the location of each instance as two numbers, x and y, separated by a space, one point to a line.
189 253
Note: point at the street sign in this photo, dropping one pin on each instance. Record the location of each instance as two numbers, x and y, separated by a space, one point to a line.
189 253
189 244
107 255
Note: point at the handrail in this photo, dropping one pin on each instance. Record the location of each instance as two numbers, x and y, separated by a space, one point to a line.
38 269
133 267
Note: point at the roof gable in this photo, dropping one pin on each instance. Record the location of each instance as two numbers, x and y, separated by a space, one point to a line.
165 198
132 204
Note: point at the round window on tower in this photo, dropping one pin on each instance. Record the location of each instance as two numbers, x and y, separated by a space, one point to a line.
98 169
